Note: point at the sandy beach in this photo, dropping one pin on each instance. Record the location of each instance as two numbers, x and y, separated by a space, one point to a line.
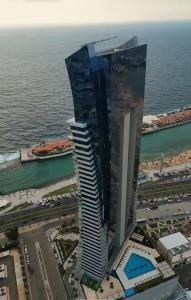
181 159
176 162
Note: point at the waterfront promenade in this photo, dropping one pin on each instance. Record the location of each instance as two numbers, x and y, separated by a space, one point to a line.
33 195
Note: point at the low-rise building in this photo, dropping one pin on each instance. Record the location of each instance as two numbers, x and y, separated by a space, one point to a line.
175 248
3 271
138 273
4 293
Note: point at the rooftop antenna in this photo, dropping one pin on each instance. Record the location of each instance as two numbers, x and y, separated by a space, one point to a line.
101 41
161 164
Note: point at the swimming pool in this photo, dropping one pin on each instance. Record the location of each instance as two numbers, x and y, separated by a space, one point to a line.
137 265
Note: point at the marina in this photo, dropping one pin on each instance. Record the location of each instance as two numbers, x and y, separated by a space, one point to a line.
38 173
153 123
47 150
62 147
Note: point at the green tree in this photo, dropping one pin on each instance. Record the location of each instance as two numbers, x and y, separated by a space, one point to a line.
12 234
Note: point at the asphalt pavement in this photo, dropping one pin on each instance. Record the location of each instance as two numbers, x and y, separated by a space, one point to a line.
35 272
167 211
25 218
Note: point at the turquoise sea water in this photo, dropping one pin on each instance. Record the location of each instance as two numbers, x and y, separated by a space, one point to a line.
35 174
35 96
40 173
170 141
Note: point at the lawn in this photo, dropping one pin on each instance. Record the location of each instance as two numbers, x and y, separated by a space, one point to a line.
69 229
91 283
67 247
148 284
165 189
153 226
20 206
67 189
47 211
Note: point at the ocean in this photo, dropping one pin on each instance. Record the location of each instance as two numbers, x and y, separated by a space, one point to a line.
35 97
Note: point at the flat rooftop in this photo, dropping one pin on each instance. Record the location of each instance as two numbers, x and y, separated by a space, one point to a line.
137 266
174 240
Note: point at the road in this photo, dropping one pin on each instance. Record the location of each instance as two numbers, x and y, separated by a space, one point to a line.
158 189
42 271
28 217
31 216
64 201
174 210
162 201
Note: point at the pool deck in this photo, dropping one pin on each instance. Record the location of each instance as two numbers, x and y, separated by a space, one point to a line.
131 283
130 243
26 156
130 248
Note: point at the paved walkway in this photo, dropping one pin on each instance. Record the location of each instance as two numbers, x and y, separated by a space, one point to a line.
33 240
43 271
18 272
33 195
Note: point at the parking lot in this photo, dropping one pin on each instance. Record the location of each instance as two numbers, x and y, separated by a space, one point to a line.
34 268
10 281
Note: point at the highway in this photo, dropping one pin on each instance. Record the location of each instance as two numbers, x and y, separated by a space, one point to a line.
164 188
35 215
66 206
150 202
165 212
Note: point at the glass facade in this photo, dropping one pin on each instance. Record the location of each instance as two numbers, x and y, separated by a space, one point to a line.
108 95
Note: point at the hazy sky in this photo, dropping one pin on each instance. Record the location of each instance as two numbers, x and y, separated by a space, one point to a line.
58 12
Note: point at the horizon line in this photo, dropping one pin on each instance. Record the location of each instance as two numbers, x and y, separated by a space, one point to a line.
28 26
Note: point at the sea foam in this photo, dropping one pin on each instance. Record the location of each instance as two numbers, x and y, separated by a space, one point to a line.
5 157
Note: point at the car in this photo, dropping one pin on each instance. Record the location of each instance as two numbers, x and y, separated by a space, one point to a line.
147 208
155 207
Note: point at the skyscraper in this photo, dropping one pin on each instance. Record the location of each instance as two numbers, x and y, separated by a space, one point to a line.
108 96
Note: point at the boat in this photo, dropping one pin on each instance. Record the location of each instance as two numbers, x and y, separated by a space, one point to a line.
47 150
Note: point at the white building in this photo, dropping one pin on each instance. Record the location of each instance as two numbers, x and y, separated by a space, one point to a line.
3 271
175 248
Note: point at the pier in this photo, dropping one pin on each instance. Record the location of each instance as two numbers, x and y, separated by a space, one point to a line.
26 155
175 118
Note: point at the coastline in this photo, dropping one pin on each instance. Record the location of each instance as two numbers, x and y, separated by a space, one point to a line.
9 164
177 162
174 143
34 195
51 186
183 159
166 127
